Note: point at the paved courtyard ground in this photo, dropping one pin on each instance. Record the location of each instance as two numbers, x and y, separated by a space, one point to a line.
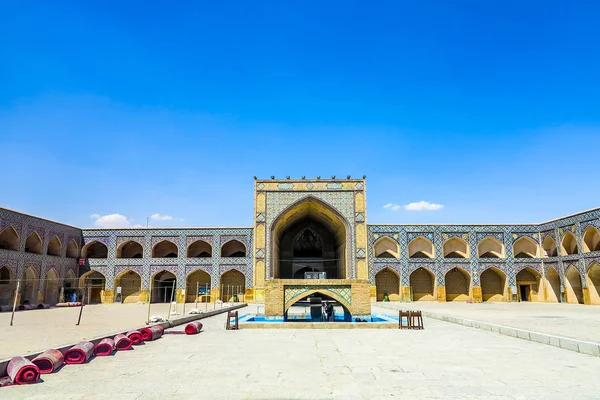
568 320
445 361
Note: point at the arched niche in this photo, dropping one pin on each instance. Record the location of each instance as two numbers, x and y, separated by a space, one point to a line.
528 284
54 247
197 286
9 239
93 284
493 285
52 287
387 282
458 284
199 249
456 248
233 248
490 247
573 286
593 283
131 286
8 285
30 286
386 248
591 239
549 246
552 286
163 287
568 245
165 249
422 283
525 247
72 249
421 247
130 249
233 283
94 249
33 243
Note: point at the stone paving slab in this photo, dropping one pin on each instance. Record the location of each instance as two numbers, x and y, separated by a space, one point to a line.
573 321
444 361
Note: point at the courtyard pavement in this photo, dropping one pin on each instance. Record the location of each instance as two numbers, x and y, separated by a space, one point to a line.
444 361
574 321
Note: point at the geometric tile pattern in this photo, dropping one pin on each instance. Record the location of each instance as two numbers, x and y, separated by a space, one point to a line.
293 292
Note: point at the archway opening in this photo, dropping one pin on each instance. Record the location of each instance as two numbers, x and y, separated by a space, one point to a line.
71 285
525 247
199 249
31 284
233 248
458 283
387 284
51 287
9 240
233 286
197 287
33 244
422 283
130 283
386 248
552 288
591 239
8 284
309 237
456 248
93 283
528 283
164 285
165 249
72 249
130 249
493 285
420 247
490 247
54 247
549 246
573 286
593 283
569 244
313 308
95 249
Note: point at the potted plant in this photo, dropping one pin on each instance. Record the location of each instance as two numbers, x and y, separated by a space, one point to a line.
385 297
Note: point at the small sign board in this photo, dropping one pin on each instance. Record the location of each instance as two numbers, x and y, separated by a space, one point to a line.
81 261
203 290
118 289
315 275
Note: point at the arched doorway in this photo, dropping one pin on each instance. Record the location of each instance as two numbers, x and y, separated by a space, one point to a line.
422 283
164 285
387 282
71 285
552 286
573 286
165 249
493 285
52 287
549 246
131 285
94 249
386 248
420 247
33 243
199 249
591 239
9 240
310 307
8 284
593 283
309 236
130 249
233 248
458 283
54 247
93 284
197 286
528 283
233 283
31 284
455 248
490 247
525 247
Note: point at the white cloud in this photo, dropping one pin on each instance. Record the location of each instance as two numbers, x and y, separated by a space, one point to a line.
158 217
393 207
423 205
111 221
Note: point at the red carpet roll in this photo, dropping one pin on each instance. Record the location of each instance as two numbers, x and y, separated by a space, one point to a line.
105 347
193 327
69 304
152 332
42 306
122 342
49 360
135 337
25 307
22 371
79 353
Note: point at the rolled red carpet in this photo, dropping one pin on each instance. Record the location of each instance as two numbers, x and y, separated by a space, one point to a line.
135 337
105 347
193 327
22 371
79 353
152 332
122 342
42 306
48 361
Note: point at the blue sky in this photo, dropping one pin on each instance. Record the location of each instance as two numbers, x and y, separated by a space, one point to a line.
490 109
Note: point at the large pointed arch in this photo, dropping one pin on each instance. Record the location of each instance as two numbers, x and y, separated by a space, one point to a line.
387 283
568 245
130 283
458 284
130 249
591 239
33 243
314 213
493 285
54 247
8 284
72 249
9 239
198 286
528 284
93 283
593 283
232 284
552 286
199 248
525 247
52 286
233 248
455 247
573 286
549 247
385 247
30 286
94 249
421 247
422 283
165 249
490 247
163 286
